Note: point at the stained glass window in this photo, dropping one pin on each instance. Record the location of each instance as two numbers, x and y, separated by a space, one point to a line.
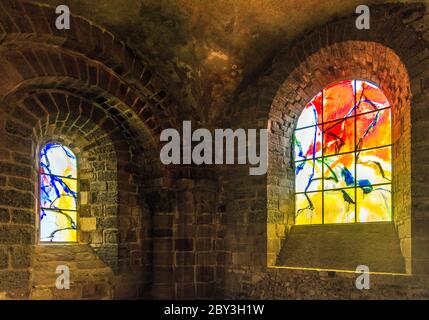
58 194
343 156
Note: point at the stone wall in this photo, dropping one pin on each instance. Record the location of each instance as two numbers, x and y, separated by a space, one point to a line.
88 91
187 236
260 212
290 284
345 60
149 231
90 278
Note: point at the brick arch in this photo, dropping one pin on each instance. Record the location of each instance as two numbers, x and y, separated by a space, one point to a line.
406 41
121 115
32 47
345 60
109 182
27 68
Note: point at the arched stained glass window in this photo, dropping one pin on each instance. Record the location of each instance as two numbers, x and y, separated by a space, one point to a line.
342 150
58 194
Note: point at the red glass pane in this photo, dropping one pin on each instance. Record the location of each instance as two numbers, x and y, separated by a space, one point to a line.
369 98
373 129
339 136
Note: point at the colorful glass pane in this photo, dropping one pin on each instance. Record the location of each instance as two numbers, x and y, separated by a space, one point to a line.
343 157
312 113
373 129
339 136
58 226
59 160
58 194
309 208
339 171
339 206
309 176
374 203
369 98
308 143
338 101
374 166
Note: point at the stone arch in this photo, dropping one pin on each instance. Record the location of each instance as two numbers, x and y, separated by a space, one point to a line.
30 25
112 105
256 108
26 67
407 44
341 61
108 184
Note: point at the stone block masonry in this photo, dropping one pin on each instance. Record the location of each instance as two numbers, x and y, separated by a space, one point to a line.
154 231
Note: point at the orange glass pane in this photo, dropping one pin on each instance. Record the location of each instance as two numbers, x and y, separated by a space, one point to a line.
373 129
369 97
338 101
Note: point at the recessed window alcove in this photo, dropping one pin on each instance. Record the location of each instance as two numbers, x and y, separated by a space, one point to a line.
341 187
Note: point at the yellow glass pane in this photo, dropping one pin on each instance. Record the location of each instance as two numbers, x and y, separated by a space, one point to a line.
58 193
374 203
308 208
339 206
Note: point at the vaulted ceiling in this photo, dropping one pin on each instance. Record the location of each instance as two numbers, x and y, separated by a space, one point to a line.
206 49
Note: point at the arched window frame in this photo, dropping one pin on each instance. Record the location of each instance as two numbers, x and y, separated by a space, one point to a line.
355 150
39 200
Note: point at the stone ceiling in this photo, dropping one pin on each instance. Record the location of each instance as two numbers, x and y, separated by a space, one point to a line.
206 49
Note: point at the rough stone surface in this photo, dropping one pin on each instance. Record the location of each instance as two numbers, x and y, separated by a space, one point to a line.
343 247
197 232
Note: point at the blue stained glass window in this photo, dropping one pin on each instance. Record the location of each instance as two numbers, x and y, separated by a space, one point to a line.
58 194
